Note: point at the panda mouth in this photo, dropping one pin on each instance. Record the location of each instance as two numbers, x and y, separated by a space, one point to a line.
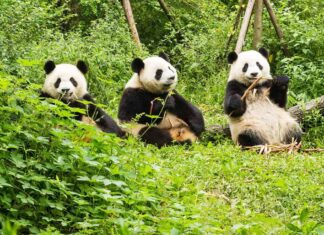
66 94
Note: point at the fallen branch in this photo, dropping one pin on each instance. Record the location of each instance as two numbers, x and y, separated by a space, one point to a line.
271 148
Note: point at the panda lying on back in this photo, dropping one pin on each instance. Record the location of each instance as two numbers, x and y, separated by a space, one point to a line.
161 114
67 83
261 118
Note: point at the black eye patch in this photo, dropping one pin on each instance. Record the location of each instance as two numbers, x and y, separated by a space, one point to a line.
158 74
57 83
259 65
75 83
170 68
245 67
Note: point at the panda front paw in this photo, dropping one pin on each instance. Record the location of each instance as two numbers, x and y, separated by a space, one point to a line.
236 107
281 82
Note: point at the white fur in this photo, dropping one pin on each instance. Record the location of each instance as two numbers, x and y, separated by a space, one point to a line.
146 78
251 58
65 72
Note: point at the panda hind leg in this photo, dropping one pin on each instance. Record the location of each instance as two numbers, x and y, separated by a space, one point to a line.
250 138
156 136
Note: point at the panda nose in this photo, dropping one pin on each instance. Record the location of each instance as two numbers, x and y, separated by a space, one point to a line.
172 78
254 74
65 90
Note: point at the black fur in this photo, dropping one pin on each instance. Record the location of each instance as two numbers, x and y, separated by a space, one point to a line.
57 83
136 102
233 105
137 65
278 91
164 56
75 83
155 136
101 118
232 56
82 66
158 74
49 66
259 65
250 138
292 135
245 67
264 52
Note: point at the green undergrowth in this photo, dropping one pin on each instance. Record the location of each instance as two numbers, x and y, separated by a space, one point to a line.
61 176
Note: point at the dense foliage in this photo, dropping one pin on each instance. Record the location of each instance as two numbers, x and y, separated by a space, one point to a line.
61 176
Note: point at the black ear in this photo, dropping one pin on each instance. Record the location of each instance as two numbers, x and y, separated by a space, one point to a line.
232 56
264 52
164 56
82 66
49 66
137 65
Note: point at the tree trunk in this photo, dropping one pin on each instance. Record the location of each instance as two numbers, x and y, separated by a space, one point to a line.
274 21
131 22
257 24
245 25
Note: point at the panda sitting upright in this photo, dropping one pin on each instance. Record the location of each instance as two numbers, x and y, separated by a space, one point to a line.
161 115
261 118
67 83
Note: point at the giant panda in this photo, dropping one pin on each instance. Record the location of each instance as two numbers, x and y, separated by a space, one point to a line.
261 118
158 114
67 83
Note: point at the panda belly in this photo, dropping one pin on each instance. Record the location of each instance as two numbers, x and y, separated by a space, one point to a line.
89 121
178 129
272 124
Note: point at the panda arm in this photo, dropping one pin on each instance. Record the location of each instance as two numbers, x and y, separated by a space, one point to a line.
188 113
278 90
233 105
133 102
102 119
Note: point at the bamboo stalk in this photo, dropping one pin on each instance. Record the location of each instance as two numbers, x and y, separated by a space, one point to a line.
244 27
131 22
254 83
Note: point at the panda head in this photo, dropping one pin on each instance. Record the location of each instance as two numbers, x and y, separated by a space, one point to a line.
249 65
65 81
155 73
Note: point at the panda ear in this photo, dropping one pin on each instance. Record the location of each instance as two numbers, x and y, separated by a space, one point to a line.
137 65
264 52
49 66
164 56
232 56
82 66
